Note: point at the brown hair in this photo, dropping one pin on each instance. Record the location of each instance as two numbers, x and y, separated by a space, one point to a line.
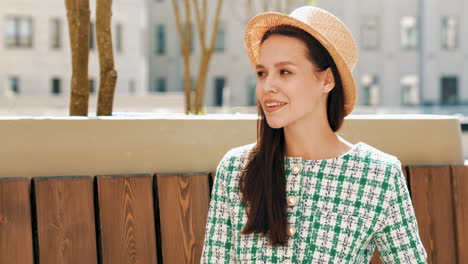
263 181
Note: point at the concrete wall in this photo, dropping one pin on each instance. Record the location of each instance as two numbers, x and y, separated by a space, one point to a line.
59 146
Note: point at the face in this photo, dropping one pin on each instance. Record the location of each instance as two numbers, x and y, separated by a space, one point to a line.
289 88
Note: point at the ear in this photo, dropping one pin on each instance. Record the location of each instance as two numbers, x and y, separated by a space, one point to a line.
328 81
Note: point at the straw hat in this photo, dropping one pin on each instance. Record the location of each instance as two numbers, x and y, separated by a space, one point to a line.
321 24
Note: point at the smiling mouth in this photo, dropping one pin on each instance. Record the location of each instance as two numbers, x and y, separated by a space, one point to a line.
274 104
271 107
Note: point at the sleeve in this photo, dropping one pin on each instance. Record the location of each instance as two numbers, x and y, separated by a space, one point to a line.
218 246
398 239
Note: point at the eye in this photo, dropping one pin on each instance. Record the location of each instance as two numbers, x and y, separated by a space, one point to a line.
285 71
260 73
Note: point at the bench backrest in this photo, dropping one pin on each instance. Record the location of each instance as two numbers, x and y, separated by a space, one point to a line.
161 218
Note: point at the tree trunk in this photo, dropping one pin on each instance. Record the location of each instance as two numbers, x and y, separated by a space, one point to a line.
187 84
206 50
201 81
78 14
108 74
185 37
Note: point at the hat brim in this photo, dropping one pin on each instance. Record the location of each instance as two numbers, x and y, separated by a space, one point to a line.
259 24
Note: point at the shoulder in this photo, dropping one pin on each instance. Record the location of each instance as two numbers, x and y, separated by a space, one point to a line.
380 166
238 153
384 168
377 157
235 158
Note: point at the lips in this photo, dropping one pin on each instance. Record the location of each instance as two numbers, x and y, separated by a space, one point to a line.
273 105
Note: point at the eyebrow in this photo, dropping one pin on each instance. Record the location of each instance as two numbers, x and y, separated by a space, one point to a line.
281 63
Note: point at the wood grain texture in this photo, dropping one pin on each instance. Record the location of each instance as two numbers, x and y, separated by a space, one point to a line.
16 244
460 204
183 207
127 219
65 220
432 199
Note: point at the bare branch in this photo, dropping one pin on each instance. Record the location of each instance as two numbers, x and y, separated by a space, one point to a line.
205 11
185 37
266 5
279 6
288 6
108 74
201 24
175 5
249 9
78 15
216 24
188 28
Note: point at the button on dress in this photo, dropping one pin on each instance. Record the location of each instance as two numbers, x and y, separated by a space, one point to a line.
339 211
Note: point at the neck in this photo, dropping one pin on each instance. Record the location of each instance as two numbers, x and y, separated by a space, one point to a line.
313 140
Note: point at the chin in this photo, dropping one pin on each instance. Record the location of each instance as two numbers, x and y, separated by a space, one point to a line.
275 123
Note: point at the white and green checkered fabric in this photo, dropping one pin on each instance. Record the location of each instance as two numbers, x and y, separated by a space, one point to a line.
346 206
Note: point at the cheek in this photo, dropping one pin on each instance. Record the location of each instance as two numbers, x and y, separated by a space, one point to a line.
307 97
258 94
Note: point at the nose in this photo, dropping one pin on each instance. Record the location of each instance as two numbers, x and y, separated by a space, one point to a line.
270 85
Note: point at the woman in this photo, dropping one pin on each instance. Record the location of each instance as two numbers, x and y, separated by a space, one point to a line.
301 193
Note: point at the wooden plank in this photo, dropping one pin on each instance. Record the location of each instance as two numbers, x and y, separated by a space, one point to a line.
16 244
183 206
460 204
65 219
127 219
432 198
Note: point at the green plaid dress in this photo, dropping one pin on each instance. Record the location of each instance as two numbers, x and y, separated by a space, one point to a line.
339 210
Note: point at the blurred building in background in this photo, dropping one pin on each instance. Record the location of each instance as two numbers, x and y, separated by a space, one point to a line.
35 56
397 56
399 51
411 52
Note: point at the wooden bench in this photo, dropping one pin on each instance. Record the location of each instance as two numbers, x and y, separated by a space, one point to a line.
161 218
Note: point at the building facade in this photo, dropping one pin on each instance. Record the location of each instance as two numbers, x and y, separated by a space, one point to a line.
400 50
35 48
406 45
395 52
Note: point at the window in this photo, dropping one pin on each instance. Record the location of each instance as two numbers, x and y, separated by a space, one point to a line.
92 86
160 39
160 85
118 38
409 32
449 90
251 86
14 84
410 89
18 32
449 33
91 36
370 32
56 86
220 38
55 36
370 86
220 89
